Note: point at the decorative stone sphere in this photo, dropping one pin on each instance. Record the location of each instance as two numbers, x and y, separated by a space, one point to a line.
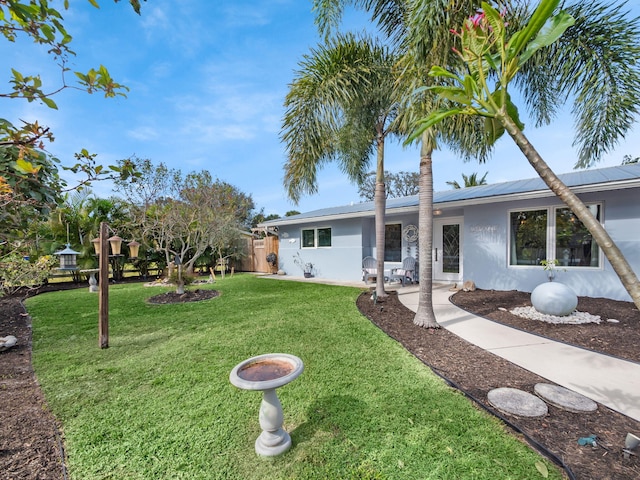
554 298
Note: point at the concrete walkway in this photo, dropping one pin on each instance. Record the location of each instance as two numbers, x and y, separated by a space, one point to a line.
604 379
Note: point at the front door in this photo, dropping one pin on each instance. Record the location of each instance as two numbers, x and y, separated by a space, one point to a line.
447 249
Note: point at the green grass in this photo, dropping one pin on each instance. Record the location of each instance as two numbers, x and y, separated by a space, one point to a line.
158 403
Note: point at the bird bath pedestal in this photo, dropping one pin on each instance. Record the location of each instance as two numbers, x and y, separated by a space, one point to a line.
266 373
93 283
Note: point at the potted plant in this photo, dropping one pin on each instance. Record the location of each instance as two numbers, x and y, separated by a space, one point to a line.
272 260
553 298
550 267
307 267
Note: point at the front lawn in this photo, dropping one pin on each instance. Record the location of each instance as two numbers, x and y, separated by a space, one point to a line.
158 403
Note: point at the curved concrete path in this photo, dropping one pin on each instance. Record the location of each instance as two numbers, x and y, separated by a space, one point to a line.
604 379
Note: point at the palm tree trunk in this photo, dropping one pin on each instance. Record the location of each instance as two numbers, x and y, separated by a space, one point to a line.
605 242
425 317
380 203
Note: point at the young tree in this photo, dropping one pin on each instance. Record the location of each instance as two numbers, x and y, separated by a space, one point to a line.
489 52
341 106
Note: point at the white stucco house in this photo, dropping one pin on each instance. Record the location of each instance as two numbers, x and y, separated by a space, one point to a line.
495 235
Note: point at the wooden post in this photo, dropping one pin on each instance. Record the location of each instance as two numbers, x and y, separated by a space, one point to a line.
103 303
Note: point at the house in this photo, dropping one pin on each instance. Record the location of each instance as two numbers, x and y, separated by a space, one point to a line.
495 235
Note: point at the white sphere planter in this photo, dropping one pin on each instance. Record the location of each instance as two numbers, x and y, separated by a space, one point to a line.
266 373
554 298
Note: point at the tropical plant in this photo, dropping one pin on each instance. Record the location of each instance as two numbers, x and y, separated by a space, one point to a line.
594 63
341 107
469 181
489 52
17 272
421 29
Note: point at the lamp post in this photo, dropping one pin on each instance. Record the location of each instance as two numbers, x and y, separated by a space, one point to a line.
103 302
102 249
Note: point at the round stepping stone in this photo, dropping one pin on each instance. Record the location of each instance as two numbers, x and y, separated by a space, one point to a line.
516 402
564 398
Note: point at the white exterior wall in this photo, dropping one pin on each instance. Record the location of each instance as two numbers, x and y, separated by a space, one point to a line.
341 261
486 234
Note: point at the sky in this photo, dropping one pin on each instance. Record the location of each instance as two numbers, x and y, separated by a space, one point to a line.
207 84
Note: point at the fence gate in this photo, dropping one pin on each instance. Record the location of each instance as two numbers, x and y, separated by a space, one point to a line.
261 248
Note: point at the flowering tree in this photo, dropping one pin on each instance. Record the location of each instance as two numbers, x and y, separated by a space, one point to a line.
492 61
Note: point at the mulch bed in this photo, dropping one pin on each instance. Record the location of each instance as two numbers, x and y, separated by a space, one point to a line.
475 372
30 445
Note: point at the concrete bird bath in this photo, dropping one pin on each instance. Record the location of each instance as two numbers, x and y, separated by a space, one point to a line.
266 373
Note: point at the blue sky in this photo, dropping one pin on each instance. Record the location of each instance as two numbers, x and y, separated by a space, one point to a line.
208 81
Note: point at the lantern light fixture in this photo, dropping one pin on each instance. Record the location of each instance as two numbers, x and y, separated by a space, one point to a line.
116 244
68 258
134 248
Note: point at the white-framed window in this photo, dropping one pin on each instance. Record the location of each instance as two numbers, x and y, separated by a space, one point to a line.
316 237
393 242
552 233
574 245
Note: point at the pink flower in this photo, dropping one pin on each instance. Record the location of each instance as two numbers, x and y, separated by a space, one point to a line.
477 19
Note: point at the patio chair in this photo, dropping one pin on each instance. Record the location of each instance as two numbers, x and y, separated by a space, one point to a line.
369 268
407 272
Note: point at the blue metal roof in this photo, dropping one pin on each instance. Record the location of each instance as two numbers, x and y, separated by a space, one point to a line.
581 178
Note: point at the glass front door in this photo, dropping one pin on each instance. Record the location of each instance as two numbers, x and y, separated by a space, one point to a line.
447 249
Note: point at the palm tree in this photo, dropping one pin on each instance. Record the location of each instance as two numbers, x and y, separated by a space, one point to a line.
596 63
421 30
340 107
604 112
469 181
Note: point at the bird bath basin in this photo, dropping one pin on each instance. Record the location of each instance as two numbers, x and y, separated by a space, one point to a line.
266 373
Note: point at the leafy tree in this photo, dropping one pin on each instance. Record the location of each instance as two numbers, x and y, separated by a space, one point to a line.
291 213
469 181
184 216
629 159
261 217
29 178
341 107
401 184
489 52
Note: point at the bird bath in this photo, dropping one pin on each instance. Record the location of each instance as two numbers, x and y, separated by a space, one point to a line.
266 373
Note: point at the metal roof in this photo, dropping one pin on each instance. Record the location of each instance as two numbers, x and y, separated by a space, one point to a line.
611 178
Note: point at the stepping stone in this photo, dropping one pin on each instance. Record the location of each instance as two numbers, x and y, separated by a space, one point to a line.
516 402
564 398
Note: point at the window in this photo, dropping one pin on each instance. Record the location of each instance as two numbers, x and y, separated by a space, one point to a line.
316 237
393 243
575 246
528 237
536 235
324 237
308 238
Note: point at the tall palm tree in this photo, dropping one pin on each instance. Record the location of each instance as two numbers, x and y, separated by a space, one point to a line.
485 37
341 107
469 181
421 30
596 64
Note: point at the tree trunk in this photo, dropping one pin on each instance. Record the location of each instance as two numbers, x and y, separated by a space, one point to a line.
425 317
605 242
380 203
